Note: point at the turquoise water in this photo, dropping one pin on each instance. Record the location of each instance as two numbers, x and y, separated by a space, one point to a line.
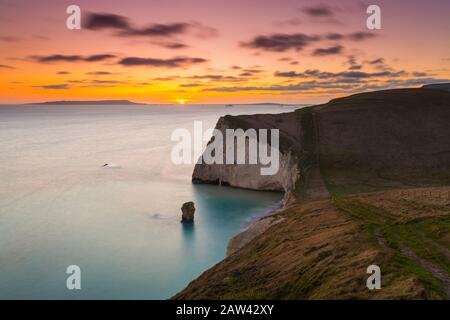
121 226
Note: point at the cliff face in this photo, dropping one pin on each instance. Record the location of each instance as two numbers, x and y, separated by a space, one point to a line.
249 176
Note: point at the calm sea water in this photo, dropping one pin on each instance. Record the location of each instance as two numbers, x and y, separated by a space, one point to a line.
59 207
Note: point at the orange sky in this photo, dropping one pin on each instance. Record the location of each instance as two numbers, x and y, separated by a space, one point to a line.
209 51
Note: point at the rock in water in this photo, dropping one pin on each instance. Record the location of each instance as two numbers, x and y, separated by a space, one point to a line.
111 166
188 210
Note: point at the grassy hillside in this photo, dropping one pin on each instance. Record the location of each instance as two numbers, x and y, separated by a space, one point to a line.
385 139
373 189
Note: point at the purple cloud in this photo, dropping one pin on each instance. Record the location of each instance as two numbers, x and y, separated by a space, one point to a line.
102 21
318 11
71 58
281 42
328 51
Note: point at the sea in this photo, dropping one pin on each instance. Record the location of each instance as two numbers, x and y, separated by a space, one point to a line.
119 224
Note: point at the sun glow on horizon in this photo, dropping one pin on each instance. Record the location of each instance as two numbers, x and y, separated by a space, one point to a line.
181 101
167 58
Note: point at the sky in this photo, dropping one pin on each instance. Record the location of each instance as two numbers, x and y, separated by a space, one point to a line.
211 51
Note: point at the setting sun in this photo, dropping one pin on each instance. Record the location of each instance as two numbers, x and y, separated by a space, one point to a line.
181 101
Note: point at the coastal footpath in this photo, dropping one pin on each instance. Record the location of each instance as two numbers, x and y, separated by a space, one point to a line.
366 181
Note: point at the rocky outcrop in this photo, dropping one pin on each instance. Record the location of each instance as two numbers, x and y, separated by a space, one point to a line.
188 211
249 176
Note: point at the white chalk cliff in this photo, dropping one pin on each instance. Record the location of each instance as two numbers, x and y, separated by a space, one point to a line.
249 176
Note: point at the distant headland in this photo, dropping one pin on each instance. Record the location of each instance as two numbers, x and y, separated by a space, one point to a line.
86 102
440 86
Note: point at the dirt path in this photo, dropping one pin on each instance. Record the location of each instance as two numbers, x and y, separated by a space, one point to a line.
316 188
438 246
379 237
430 267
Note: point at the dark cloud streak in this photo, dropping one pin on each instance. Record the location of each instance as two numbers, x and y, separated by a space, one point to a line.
320 52
314 73
167 63
9 39
318 11
53 87
123 27
4 66
281 42
99 73
71 58
104 21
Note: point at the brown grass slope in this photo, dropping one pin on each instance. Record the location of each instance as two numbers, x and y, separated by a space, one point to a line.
322 248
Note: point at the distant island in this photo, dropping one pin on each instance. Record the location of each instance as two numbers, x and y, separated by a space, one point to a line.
272 104
87 102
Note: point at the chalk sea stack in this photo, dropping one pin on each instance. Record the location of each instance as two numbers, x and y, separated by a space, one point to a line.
188 210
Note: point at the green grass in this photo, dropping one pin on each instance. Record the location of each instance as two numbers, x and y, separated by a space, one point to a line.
396 234
436 229
402 265
367 213
424 249
250 294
